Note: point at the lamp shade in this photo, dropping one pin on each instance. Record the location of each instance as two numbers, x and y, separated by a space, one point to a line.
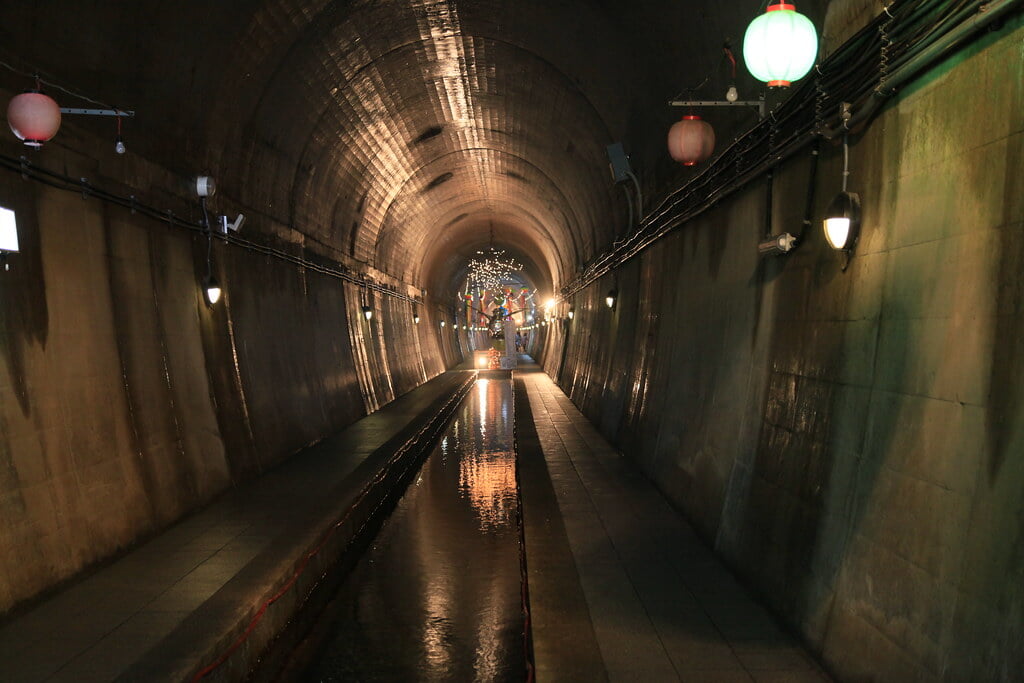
33 117
842 221
691 140
780 46
211 290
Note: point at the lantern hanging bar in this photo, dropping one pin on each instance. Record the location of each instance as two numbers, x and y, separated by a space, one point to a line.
758 104
97 112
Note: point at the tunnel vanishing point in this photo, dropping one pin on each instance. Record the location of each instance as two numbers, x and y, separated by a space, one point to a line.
843 428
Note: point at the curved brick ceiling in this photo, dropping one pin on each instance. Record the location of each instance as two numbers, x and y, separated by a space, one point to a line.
395 133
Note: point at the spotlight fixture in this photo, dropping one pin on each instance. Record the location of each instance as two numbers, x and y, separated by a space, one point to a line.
842 221
613 295
211 290
367 312
777 244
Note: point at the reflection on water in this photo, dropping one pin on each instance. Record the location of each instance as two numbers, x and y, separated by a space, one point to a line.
437 596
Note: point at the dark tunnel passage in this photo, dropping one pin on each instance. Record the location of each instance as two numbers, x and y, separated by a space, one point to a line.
842 428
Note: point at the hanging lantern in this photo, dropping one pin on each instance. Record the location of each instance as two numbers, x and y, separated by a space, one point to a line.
780 46
33 117
691 140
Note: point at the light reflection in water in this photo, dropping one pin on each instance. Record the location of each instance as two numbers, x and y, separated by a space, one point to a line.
438 595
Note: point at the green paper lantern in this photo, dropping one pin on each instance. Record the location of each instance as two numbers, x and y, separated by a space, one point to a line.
780 46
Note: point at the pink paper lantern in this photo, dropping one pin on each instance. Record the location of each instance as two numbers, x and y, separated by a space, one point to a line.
33 117
691 140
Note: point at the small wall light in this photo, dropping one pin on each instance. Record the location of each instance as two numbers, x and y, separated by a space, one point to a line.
415 318
572 312
211 290
613 295
842 221
367 312
442 323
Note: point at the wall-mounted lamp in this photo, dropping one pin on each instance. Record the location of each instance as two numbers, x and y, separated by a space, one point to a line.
610 300
442 323
415 318
842 221
572 313
211 290
842 218
777 245
367 312
8 235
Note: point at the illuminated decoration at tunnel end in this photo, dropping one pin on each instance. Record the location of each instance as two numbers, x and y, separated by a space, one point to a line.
780 46
691 140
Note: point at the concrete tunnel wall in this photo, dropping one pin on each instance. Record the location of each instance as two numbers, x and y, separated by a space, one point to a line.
126 402
852 442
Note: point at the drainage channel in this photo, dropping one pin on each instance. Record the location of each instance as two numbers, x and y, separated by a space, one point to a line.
440 594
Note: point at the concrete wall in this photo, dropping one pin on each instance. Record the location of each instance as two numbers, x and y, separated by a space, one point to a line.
125 402
852 442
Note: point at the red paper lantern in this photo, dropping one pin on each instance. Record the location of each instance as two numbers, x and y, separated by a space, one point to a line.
33 117
691 140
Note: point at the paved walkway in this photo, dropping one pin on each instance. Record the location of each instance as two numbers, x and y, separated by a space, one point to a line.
652 599
207 567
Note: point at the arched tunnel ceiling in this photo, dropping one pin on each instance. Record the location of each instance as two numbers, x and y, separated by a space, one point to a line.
394 132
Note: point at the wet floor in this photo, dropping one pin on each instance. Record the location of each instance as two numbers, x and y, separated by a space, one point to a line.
438 596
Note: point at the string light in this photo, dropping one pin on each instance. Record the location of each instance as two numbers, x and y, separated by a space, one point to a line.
491 269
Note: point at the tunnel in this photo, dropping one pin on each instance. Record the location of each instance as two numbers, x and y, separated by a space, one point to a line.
245 341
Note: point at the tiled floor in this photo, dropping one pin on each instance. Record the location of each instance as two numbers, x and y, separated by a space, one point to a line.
96 629
662 607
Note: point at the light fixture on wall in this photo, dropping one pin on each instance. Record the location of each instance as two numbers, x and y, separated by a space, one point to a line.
780 46
842 218
442 323
211 290
367 312
571 313
415 318
611 298
842 221
8 235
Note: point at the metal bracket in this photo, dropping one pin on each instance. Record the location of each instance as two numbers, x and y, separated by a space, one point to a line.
97 112
759 104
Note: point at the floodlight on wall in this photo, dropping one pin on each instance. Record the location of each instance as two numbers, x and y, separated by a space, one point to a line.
611 298
367 312
780 46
